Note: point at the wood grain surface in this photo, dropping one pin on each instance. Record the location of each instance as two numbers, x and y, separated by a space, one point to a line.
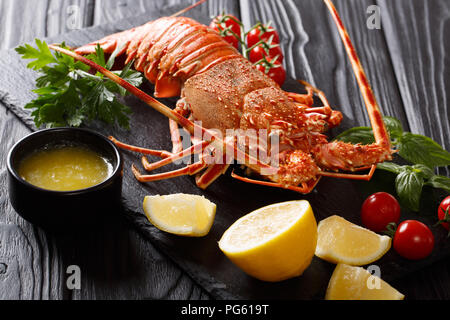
405 62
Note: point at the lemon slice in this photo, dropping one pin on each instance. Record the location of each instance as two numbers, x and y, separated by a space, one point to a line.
356 283
273 243
181 214
341 241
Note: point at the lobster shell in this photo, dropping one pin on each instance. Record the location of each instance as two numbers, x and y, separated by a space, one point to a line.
168 51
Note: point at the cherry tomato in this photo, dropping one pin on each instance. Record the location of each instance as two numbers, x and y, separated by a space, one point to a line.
259 52
379 210
413 240
262 33
220 24
276 73
443 213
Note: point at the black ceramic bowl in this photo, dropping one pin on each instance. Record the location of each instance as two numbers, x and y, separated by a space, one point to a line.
65 210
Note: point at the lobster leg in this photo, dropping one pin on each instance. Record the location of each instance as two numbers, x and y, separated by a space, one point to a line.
332 117
195 149
307 99
188 170
304 99
366 177
210 175
177 145
306 187
157 153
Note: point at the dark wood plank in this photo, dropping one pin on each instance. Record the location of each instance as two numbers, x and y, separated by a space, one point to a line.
23 249
22 21
420 53
106 11
48 18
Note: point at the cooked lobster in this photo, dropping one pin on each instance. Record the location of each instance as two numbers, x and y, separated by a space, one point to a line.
223 90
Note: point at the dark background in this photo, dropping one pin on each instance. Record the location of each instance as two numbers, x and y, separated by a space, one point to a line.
405 60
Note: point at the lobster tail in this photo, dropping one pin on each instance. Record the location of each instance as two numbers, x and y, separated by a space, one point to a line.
168 51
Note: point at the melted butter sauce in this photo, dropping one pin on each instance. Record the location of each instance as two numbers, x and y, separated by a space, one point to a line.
65 168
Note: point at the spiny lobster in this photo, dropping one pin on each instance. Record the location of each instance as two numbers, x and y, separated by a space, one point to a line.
225 91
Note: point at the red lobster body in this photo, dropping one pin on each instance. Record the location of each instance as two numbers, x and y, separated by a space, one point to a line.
223 90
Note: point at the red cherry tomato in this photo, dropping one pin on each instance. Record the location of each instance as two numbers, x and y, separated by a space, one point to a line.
276 73
443 213
262 33
413 240
379 210
221 24
259 52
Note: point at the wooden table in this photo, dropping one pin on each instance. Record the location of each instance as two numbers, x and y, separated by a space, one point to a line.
116 262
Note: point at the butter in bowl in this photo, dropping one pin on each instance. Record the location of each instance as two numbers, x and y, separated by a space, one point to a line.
65 179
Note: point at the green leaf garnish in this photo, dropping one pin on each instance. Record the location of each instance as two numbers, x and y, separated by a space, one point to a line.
440 182
422 152
363 135
394 127
409 184
69 95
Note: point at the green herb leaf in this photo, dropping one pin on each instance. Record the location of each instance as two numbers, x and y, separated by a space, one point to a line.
409 184
363 135
423 170
394 126
42 55
439 182
390 166
419 149
68 95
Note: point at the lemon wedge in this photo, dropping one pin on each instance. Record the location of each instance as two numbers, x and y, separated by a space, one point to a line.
356 283
273 243
181 214
341 241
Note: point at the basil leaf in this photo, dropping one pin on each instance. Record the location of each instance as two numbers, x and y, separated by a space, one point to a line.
394 126
419 149
363 135
390 166
409 184
423 170
440 182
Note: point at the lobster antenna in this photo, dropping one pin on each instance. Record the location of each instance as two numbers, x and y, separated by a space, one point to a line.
192 6
376 118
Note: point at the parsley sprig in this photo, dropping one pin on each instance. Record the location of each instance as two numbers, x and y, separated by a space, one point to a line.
423 154
69 95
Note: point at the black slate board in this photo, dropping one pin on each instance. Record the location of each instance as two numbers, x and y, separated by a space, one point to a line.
201 258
